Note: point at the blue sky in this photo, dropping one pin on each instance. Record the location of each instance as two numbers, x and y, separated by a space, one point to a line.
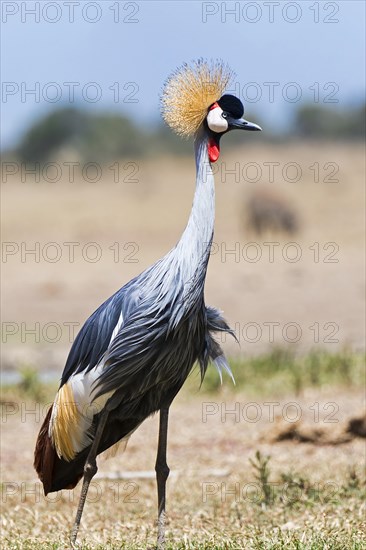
117 54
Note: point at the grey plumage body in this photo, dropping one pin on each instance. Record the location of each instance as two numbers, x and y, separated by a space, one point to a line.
163 327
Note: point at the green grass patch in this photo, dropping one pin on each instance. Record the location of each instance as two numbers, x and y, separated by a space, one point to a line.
282 371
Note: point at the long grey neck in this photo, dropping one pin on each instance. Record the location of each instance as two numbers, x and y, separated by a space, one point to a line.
180 276
194 245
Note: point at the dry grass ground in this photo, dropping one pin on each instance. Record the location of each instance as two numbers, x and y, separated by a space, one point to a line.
310 495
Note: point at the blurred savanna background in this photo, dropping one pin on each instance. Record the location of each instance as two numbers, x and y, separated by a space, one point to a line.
95 188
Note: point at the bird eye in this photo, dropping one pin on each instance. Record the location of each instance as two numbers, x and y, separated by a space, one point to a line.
223 114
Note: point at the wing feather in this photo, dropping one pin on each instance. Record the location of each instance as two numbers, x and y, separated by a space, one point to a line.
98 331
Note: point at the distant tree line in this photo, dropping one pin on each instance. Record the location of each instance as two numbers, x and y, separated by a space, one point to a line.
321 122
104 137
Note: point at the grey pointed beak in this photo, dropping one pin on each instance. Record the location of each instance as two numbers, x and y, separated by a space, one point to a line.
242 124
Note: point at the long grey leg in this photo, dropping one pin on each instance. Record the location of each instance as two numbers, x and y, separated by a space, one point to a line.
90 469
162 473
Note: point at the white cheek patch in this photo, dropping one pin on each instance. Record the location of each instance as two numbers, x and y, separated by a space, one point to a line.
215 121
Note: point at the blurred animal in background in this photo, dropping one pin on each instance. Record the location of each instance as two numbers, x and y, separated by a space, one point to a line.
134 353
268 211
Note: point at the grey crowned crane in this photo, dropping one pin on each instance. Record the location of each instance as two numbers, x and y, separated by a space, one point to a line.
134 353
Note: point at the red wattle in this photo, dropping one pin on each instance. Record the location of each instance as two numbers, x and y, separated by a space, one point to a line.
213 150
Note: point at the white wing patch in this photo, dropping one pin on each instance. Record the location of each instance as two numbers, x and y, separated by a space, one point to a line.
116 328
82 387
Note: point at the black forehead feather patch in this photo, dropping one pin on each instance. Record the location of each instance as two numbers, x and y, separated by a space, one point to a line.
232 105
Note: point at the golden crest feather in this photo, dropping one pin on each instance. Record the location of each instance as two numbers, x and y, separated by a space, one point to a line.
190 90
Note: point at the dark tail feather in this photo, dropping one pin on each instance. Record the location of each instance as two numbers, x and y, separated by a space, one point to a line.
55 473
44 455
66 475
